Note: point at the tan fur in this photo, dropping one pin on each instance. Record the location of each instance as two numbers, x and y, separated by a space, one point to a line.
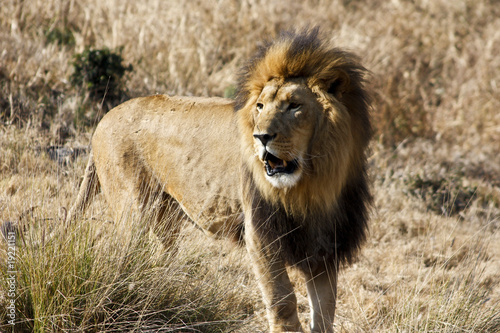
177 154
144 148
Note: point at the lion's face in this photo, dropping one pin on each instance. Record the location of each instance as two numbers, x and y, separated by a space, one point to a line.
284 118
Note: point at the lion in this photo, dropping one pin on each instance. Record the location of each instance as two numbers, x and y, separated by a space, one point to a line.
280 169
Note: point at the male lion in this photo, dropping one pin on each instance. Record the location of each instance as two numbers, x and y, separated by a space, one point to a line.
283 168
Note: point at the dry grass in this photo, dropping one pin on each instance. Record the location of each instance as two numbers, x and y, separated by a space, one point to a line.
432 262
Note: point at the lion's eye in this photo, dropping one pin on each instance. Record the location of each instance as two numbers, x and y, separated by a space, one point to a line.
294 107
260 106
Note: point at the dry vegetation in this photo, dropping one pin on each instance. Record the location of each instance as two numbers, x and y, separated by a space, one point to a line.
432 262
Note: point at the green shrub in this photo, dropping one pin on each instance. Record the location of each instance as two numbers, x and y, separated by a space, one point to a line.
60 36
100 73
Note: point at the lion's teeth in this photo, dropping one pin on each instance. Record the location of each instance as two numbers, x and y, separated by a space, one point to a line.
284 163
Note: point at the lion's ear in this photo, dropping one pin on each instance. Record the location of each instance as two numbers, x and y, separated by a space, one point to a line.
339 84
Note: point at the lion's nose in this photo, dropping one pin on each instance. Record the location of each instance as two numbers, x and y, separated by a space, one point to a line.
264 138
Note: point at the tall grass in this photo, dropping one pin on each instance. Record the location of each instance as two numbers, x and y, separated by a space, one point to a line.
431 263
434 63
443 302
93 276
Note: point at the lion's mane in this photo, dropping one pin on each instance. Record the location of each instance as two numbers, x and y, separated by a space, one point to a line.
324 217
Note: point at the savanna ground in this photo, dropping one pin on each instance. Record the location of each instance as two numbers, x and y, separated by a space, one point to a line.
432 261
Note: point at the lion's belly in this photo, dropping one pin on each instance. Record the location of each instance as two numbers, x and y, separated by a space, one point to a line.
209 197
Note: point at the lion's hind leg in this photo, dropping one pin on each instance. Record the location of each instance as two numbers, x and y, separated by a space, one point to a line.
165 217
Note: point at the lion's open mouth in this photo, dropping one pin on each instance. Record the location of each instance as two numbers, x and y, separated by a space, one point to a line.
276 165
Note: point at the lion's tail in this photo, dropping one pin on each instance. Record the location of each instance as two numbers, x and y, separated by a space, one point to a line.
88 190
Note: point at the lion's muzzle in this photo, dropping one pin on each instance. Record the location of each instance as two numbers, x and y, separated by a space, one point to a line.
276 165
273 164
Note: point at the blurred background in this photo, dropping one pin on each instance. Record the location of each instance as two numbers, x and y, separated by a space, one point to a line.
433 259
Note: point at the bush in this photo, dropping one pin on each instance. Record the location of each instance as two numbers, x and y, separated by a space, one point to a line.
61 36
100 73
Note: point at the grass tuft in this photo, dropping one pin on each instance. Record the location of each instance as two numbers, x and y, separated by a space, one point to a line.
90 276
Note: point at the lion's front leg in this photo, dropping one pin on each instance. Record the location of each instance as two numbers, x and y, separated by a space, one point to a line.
275 285
322 293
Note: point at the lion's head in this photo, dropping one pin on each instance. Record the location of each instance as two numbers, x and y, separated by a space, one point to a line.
304 118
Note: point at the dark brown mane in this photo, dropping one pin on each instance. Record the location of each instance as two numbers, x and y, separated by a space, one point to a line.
329 238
